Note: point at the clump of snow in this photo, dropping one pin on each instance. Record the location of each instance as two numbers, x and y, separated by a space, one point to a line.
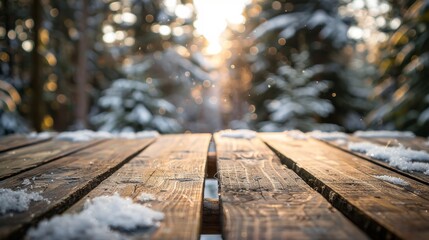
137 135
77 226
400 157
99 220
146 197
328 136
296 134
121 213
41 135
394 180
239 133
16 201
384 134
87 135
82 135
26 182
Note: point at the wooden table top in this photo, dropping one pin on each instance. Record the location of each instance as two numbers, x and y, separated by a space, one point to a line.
273 186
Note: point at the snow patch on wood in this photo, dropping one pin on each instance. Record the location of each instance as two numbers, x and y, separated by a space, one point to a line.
87 135
402 158
328 136
42 135
103 217
296 134
16 201
394 180
146 197
239 133
384 134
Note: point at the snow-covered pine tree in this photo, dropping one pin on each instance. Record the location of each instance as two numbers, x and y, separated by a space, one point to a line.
161 67
130 106
319 87
298 96
160 73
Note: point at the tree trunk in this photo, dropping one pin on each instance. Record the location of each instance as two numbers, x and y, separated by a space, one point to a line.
81 109
36 80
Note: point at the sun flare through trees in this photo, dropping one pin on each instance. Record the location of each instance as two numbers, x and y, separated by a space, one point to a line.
203 65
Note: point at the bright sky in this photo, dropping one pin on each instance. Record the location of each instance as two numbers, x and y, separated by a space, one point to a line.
213 17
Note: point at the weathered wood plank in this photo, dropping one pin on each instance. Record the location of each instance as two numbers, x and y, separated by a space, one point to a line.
23 159
66 180
262 199
382 209
16 141
415 144
172 169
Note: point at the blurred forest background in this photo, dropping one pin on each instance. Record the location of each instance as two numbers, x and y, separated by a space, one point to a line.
204 65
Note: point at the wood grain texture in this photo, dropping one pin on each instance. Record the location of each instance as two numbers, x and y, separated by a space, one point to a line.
172 169
261 199
65 181
22 159
416 144
16 141
382 209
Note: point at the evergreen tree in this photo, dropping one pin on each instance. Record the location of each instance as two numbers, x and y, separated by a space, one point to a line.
160 63
130 106
319 87
404 67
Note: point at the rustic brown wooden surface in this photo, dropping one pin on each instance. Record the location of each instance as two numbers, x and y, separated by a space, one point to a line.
416 144
261 199
16 141
172 169
382 209
20 160
66 180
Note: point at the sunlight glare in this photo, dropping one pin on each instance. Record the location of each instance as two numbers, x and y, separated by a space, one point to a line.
213 17
184 11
